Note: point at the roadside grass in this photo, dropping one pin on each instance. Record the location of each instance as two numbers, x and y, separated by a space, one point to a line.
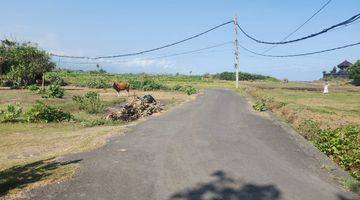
331 122
27 150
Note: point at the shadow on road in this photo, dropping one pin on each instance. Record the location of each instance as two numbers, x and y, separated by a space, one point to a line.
225 187
20 176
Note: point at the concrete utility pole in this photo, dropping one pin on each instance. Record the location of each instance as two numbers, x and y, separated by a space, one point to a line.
236 64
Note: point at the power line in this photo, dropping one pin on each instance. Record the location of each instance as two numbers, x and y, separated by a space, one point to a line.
303 24
344 23
158 57
301 54
145 51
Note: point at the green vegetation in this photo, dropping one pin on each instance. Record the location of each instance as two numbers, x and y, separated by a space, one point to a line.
341 144
55 79
11 114
231 76
41 112
54 91
354 73
330 121
90 102
22 64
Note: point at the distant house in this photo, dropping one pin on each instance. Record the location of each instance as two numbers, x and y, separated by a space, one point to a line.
341 73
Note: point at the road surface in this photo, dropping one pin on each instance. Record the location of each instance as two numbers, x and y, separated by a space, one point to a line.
215 147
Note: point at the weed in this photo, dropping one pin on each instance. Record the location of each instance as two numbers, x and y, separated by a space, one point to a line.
54 91
33 88
40 112
56 79
11 114
90 102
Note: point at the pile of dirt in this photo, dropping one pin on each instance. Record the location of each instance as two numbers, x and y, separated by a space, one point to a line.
136 108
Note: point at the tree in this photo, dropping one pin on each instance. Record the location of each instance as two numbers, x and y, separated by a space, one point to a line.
354 73
23 63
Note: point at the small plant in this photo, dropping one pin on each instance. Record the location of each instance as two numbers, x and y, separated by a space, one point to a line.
54 91
90 102
260 106
189 90
56 79
177 88
12 113
33 88
92 123
40 112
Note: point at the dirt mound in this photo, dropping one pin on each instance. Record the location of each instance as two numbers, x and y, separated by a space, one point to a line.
136 108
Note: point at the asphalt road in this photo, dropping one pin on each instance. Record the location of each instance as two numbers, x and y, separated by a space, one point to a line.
215 147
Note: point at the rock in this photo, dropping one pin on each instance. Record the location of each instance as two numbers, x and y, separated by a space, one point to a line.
148 99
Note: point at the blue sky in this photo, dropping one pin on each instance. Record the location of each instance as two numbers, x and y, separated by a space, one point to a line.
92 28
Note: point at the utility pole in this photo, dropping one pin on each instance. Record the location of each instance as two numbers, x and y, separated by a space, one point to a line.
236 64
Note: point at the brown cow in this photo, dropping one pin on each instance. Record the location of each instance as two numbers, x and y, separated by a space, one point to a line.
121 86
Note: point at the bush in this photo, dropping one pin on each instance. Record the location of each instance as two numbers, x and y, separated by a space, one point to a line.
98 84
54 91
55 79
33 88
342 146
260 106
188 89
23 63
90 102
41 112
11 114
264 103
354 73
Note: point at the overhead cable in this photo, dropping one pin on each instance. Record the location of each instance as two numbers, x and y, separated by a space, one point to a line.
300 54
144 51
344 23
303 24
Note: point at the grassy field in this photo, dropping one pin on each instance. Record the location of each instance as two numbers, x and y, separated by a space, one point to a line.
32 149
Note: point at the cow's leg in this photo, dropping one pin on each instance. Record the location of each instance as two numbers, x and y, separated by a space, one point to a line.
118 94
128 93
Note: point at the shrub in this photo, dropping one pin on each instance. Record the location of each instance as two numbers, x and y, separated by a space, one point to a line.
23 63
56 79
177 87
189 90
354 73
54 91
342 146
97 84
40 112
12 113
260 106
33 88
263 104
90 102
135 84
